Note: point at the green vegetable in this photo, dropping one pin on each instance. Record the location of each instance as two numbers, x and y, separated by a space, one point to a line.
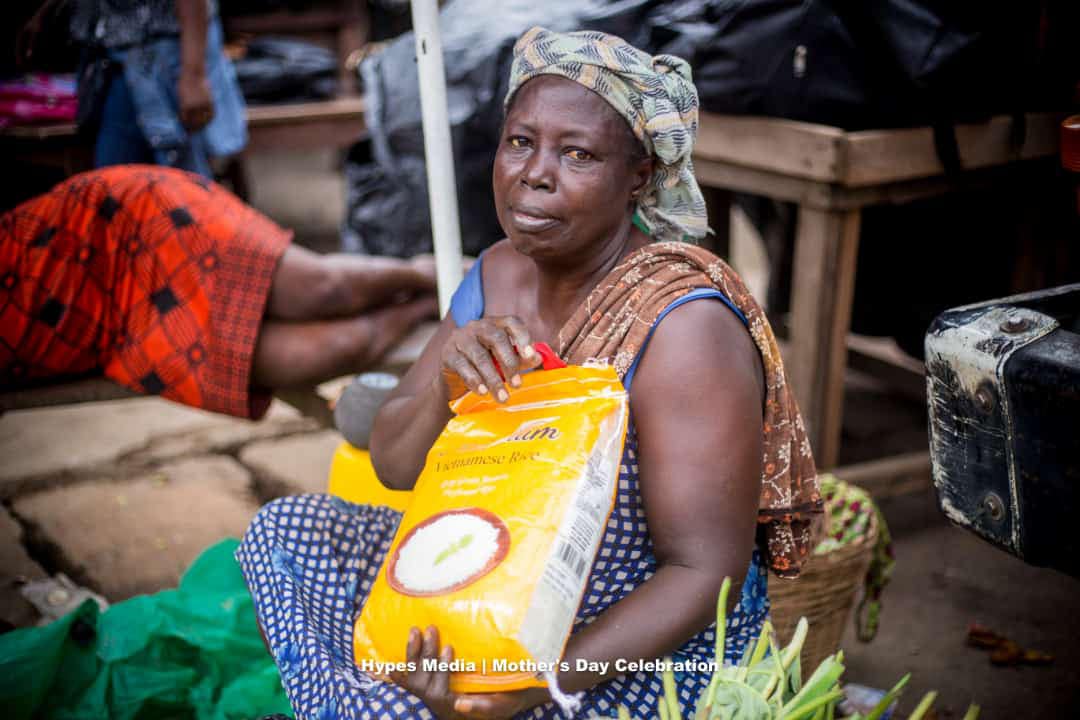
889 698
923 706
671 696
767 684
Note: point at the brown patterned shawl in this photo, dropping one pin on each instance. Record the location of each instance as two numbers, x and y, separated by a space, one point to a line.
614 322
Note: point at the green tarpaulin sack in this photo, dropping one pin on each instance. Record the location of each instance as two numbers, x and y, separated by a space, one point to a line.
193 652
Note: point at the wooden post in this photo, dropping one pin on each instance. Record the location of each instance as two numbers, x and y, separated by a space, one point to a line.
718 206
823 286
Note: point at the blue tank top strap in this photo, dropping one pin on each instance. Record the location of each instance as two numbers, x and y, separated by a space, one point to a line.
467 303
698 294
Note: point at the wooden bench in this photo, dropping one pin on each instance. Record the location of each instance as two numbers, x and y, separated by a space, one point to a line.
832 175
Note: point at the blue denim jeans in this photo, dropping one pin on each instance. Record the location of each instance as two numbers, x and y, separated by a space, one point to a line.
119 140
140 116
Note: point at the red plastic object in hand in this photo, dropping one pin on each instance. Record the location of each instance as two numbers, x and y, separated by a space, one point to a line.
551 360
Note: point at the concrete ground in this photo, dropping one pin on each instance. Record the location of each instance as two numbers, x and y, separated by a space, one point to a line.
121 496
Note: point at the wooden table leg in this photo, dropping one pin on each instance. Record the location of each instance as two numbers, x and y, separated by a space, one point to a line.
351 35
718 205
823 285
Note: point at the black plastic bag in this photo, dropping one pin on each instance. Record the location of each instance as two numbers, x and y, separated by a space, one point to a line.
278 69
866 63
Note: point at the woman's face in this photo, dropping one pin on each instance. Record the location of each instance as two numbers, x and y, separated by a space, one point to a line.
566 171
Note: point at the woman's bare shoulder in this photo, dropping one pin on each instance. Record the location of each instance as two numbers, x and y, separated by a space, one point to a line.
502 255
504 271
701 342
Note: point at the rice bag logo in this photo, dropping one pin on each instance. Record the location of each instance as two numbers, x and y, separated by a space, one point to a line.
528 431
448 551
534 430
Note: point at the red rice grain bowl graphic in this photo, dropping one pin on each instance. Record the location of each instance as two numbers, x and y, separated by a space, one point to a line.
447 552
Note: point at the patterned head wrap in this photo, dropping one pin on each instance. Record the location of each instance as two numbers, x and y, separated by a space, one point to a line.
654 95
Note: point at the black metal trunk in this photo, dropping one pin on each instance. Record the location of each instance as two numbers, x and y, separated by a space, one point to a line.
1003 384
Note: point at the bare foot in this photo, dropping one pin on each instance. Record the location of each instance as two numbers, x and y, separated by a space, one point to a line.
420 308
425 264
423 268
393 322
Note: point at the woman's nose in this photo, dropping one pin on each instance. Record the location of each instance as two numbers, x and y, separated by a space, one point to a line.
538 173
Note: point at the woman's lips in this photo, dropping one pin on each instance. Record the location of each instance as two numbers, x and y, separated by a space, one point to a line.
531 221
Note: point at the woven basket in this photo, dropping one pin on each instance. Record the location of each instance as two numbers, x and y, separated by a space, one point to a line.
823 593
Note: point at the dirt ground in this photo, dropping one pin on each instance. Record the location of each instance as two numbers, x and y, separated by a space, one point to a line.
946 578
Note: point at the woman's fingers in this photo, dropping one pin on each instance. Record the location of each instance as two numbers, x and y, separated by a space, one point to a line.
412 655
481 360
497 342
431 643
522 340
488 356
429 650
440 681
426 681
462 366
488 706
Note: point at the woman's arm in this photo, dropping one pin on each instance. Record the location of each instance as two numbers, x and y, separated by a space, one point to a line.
697 405
412 417
193 88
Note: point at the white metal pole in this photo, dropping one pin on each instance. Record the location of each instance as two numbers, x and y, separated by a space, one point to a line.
442 188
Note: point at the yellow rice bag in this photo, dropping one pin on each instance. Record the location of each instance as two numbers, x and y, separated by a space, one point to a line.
505 520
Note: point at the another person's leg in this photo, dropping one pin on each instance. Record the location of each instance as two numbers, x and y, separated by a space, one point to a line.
119 140
289 354
310 286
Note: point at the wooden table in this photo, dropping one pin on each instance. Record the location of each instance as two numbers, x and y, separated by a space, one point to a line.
832 175
337 123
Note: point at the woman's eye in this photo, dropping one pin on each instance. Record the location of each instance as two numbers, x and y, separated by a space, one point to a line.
518 142
578 154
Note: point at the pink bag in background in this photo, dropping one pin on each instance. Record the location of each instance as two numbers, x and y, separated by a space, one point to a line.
36 99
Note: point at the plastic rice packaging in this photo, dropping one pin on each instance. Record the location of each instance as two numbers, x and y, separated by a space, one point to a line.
506 518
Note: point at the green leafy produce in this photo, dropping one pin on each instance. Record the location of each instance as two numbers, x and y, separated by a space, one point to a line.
767 684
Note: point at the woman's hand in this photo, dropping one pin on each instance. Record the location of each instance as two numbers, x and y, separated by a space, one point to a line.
497 706
196 101
470 355
433 686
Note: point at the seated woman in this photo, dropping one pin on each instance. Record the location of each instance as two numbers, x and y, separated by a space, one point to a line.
171 286
593 167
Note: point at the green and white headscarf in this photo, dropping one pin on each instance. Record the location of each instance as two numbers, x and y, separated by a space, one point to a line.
654 94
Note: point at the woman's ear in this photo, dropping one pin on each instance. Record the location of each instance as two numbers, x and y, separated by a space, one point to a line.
641 173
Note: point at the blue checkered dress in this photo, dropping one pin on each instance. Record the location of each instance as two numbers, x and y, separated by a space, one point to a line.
310 562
